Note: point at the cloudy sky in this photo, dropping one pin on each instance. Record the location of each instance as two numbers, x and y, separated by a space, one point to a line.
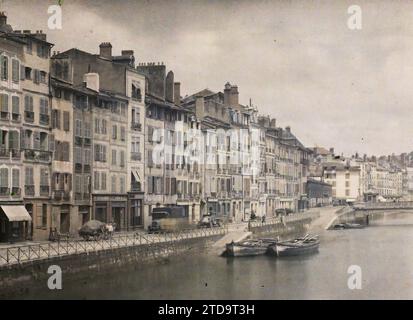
297 60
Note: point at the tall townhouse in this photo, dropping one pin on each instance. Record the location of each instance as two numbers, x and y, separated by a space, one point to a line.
171 178
72 156
11 165
27 76
115 121
243 182
215 122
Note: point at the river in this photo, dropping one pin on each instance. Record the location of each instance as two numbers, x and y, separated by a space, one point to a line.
383 251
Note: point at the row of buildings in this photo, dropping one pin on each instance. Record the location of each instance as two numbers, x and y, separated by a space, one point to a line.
98 136
361 178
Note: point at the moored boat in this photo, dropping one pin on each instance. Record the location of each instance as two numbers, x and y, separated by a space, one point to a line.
251 247
306 245
348 226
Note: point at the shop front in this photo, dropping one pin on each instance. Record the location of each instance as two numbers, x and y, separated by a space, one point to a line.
111 209
14 223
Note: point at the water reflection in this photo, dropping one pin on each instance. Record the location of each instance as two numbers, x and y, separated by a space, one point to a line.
383 251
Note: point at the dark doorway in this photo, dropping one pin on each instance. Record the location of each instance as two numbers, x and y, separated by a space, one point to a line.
65 219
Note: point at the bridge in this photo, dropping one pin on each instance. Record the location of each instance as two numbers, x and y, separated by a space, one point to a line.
397 205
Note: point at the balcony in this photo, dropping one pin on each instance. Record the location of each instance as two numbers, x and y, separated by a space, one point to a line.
4 116
29 190
61 195
44 119
87 142
37 155
29 116
4 191
16 192
44 191
136 126
16 117
136 156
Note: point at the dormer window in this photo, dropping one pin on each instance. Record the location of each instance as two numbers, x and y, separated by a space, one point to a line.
136 92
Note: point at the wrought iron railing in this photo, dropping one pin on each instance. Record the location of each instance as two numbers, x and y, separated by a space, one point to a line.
26 253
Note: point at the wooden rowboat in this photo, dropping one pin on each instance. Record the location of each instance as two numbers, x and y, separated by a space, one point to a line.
306 245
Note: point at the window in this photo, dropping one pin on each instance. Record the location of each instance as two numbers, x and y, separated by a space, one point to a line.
97 125
78 155
15 183
43 77
114 132
55 119
44 111
103 129
347 175
28 108
78 128
87 132
28 73
44 177
44 216
122 158
96 180
66 121
4 61
87 157
122 134
15 102
122 184
136 92
78 184
113 188
4 180
42 51
29 181
114 157
36 79
67 95
4 106
347 192
100 153
14 140
347 184
103 181
15 70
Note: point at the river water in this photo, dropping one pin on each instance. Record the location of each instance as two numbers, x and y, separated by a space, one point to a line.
384 251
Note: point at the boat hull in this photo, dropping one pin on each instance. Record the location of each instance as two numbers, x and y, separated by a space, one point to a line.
282 250
244 251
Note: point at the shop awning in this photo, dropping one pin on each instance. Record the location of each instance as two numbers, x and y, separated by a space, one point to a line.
16 213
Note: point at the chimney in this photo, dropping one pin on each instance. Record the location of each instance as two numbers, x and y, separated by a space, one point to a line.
227 94
234 97
273 123
3 18
91 81
105 50
169 87
199 107
288 129
127 53
177 93
332 151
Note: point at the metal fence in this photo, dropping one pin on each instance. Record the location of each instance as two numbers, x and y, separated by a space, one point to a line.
285 219
25 253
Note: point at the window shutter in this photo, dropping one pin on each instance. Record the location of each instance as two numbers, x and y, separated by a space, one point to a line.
150 186
36 140
69 182
22 72
22 139
97 152
15 101
66 121
51 143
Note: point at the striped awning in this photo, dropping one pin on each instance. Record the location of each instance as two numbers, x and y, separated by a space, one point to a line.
16 213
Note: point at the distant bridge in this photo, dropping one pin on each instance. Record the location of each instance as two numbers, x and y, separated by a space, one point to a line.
397 205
